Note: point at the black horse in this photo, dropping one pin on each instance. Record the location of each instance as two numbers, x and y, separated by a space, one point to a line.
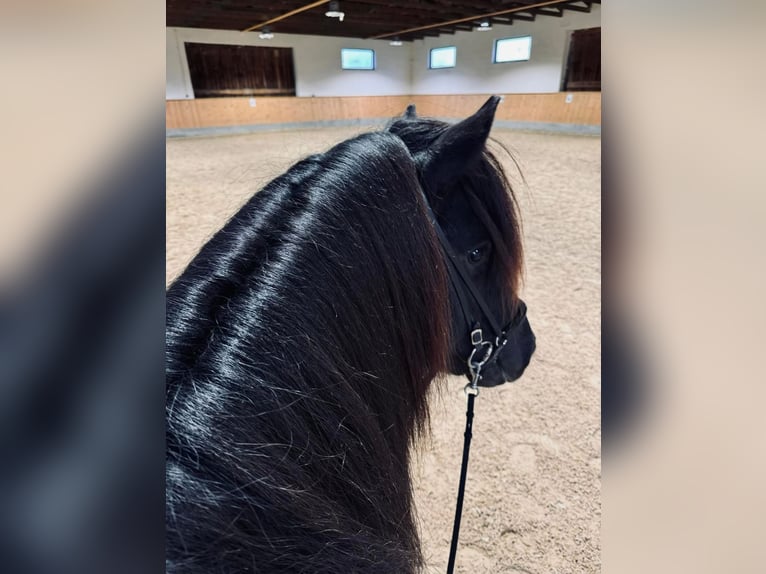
303 338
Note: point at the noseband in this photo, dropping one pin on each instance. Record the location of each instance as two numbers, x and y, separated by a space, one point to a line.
483 351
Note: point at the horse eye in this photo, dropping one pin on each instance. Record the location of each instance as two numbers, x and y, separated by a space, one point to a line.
476 255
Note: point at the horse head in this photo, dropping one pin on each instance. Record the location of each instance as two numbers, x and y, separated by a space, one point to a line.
474 207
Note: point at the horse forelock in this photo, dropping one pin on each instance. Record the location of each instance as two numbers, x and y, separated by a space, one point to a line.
488 190
494 202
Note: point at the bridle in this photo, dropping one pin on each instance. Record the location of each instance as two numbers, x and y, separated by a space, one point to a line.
483 351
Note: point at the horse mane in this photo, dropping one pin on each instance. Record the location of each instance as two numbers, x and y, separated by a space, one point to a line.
300 345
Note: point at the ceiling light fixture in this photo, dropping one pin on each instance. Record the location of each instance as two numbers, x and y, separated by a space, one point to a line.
266 33
484 26
334 11
396 41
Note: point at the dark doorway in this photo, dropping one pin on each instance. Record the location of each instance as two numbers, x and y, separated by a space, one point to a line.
220 70
584 61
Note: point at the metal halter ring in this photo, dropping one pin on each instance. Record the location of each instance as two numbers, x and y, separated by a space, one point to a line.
475 366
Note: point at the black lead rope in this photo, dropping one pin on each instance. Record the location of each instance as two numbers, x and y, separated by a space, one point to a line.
484 352
472 390
461 489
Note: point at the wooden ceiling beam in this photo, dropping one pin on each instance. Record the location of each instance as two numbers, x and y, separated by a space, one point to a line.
360 32
575 8
374 22
414 9
473 5
356 18
555 12
287 15
452 10
348 22
351 19
473 18
431 6
416 36
364 18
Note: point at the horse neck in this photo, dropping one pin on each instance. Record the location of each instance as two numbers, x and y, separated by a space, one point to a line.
301 344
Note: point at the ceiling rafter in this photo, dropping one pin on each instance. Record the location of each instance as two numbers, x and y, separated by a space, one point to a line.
555 12
378 19
287 14
473 18
413 8
575 7
525 17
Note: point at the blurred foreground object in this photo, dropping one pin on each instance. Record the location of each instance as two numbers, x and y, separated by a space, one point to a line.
625 360
81 386
81 286
683 490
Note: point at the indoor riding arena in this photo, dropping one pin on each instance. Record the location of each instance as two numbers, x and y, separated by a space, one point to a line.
253 87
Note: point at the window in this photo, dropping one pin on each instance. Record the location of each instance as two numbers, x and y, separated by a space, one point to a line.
512 49
442 57
357 59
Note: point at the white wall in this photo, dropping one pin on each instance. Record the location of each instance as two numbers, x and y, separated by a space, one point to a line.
403 70
474 71
317 63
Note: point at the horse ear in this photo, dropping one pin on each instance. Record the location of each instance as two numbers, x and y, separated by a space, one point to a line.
410 112
459 146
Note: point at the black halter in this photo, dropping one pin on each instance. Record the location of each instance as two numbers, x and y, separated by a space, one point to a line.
483 352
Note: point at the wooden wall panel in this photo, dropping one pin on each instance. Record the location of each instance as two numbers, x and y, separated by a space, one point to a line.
222 70
583 71
216 112
585 109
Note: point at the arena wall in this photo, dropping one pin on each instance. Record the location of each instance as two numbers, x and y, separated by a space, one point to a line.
327 95
545 112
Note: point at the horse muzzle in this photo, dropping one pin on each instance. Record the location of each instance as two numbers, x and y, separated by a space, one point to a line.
513 358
